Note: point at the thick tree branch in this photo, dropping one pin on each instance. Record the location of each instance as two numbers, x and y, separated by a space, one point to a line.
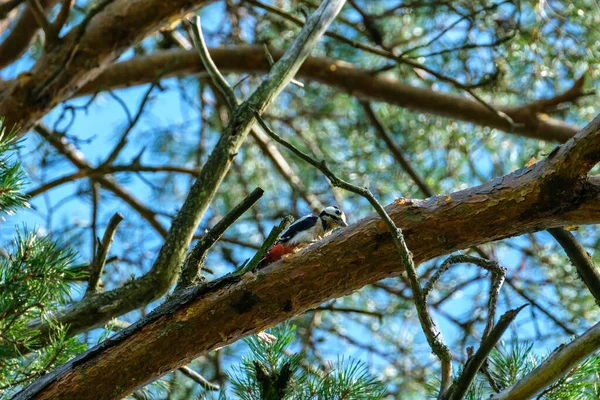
341 75
19 38
558 364
84 52
201 319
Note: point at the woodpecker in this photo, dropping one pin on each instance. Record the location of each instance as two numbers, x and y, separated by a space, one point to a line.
304 231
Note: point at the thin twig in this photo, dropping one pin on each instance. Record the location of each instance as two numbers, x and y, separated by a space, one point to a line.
199 379
433 335
123 140
498 277
195 259
397 152
40 18
97 267
580 258
210 66
63 16
474 364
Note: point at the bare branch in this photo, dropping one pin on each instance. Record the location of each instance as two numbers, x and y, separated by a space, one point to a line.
395 149
474 364
498 277
40 17
210 66
580 258
195 259
199 379
343 76
97 266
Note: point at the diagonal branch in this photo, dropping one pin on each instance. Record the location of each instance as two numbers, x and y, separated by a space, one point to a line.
558 364
474 364
97 266
195 259
200 319
581 259
395 149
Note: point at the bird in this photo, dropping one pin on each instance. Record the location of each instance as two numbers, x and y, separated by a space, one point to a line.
304 231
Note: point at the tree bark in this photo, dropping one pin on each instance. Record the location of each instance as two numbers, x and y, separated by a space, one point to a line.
198 320
85 51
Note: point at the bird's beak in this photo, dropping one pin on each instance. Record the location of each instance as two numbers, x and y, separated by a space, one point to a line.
342 222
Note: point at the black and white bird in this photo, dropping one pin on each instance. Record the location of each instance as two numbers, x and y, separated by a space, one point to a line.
304 231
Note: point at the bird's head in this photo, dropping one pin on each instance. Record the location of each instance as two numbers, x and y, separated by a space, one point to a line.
334 216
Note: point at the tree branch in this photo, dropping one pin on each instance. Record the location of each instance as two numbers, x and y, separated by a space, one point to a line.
396 151
21 35
580 259
474 364
97 265
195 259
200 319
357 82
558 364
40 18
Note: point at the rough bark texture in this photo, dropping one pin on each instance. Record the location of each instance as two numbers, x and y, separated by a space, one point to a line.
202 319
83 53
346 77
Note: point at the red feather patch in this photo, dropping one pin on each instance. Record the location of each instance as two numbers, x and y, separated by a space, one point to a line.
276 252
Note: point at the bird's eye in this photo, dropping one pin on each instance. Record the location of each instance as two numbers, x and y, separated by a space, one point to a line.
338 212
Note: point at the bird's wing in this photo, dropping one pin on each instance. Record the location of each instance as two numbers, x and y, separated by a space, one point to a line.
299 225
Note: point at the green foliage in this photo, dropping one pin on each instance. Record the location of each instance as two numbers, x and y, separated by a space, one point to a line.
510 363
35 276
270 372
11 174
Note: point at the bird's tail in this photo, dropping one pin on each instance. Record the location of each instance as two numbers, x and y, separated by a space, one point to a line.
275 254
